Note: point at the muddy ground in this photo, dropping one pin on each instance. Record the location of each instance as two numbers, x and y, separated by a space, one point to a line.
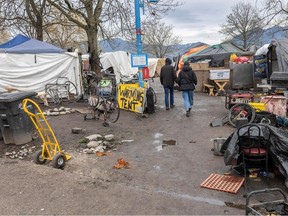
160 180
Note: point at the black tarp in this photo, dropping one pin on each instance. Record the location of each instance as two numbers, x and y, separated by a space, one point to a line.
277 146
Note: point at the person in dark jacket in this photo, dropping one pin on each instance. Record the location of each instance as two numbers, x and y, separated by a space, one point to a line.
167 79
187 80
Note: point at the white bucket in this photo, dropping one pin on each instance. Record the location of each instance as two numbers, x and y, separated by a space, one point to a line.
217 143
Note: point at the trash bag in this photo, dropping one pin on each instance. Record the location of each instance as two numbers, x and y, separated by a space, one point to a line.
150 101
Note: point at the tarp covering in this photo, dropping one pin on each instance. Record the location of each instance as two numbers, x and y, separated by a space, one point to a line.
193 50
120 61
281 48
32 64
31 72
277 146
33 46
217 54
14 41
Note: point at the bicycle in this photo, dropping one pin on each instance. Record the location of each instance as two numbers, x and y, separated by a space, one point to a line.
63 88
103 100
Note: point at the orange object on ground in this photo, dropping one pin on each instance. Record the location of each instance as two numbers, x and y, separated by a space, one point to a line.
121 164
225 183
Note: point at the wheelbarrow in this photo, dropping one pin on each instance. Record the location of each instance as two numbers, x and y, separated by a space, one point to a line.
51 150
275 207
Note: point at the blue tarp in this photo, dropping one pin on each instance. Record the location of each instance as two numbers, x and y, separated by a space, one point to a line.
14 41
32 46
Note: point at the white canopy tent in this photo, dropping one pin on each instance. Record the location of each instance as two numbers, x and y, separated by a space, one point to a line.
32 64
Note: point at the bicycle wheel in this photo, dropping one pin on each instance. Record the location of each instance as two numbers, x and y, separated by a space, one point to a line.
72 90
112 109
54 96
241 110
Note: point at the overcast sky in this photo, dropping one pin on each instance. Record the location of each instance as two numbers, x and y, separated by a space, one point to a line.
199 20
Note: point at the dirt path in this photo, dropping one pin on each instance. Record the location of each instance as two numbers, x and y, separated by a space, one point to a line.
159 181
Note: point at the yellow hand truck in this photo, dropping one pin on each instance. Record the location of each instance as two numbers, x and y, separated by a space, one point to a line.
50 149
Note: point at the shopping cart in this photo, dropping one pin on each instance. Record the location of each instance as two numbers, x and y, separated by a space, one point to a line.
275 207
50 149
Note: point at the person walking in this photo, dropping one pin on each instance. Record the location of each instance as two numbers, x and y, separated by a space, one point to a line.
187 80
167 79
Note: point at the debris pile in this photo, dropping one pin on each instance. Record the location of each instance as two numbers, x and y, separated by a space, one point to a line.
22 153
59 111
97 143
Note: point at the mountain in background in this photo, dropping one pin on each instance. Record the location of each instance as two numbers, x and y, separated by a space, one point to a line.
118 44
274 32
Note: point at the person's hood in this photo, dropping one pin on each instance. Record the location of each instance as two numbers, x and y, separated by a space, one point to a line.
186 68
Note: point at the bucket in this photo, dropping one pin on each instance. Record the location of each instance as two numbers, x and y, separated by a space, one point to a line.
217 143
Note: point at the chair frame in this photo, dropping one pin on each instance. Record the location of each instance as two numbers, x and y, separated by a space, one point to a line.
253 139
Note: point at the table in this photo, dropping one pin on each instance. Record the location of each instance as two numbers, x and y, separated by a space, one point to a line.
220 85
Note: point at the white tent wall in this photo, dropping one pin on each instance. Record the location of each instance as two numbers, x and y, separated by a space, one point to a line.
31 72
120 61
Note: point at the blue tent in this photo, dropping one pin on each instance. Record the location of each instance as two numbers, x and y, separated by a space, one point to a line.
31 46
34 46
14 41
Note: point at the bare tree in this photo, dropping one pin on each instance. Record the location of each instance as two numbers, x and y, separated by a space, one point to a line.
159 38
276 13
243 24
24 16
102 19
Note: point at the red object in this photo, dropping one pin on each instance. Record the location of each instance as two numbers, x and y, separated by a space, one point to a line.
241 59
145 72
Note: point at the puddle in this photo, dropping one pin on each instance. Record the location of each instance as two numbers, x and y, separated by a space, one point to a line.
201 199
169 142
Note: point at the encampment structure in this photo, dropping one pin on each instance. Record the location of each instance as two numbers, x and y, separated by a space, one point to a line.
28 65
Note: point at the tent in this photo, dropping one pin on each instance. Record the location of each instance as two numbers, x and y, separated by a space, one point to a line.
217 54
272 57
14 41
121 63
30 65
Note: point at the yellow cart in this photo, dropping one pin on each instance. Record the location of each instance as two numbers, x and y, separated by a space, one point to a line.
50 149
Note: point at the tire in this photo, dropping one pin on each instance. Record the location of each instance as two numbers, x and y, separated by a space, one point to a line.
112 109
70 86
241 110
54 96
37 157
58 161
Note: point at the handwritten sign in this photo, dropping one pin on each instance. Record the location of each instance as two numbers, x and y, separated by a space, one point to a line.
131 97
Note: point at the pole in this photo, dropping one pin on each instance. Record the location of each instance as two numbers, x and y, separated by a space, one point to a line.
138 37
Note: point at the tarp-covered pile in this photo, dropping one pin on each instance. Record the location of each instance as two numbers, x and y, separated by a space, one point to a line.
277 146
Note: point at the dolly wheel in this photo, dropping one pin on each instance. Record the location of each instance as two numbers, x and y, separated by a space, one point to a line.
38 159
58 161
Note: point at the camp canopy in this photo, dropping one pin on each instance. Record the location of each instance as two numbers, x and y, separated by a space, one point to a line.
32 64
217 54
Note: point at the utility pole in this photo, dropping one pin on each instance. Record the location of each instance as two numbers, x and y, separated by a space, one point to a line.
140 60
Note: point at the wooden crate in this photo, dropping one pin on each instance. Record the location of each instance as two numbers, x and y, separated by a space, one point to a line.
202 78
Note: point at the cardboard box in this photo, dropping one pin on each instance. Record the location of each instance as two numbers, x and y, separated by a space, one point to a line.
219 74
199 66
